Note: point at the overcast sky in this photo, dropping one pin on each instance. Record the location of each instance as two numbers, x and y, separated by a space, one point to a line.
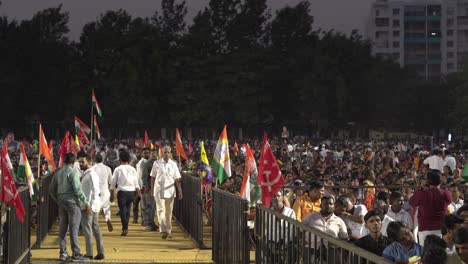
341 15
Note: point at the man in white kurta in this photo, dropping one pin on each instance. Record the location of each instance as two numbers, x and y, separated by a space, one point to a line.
166 177
105 175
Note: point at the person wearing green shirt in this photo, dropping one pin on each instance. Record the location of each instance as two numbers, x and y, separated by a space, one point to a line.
65 189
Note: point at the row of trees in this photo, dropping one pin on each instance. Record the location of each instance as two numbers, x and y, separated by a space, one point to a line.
236 63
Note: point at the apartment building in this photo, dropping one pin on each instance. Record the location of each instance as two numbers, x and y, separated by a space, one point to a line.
430 36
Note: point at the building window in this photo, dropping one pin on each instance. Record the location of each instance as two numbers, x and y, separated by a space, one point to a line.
396 44
396 33
377 12
450 10
449 55
449 44
396 11
449 22
450 66
382 22
396 23
449 32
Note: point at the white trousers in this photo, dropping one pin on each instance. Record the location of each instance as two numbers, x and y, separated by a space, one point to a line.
164 208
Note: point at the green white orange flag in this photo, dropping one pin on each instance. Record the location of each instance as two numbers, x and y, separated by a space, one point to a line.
179 146
98 131
24 170
81 125
96 104
221 160
44 149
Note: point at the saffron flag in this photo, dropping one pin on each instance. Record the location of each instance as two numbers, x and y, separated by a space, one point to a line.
204 165
179 146
75 144
147 142
24 170
249 168
9 195
235 149
98 131
269 175
51 148
96 104
64 148
160 152
80 124
221 161
44 149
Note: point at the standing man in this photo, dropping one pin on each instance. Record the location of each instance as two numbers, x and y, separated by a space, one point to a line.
432 202
65 189
125 181
148 205
90 222
105 176
165 175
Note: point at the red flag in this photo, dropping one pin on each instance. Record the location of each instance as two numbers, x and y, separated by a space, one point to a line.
190 148
81 125
179 147
9 194
235 149
147 142
269 174
44 149
64 148
82 137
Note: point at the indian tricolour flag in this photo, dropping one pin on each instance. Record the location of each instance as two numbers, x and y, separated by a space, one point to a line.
221 161
96 104
24 170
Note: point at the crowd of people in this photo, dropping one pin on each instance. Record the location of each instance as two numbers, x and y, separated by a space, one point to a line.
398 199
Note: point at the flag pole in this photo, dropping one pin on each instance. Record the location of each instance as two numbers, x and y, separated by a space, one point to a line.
92 122
39 155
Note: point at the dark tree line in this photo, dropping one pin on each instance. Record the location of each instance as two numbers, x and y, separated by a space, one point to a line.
236 63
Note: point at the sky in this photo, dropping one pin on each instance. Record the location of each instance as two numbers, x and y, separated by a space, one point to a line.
340 15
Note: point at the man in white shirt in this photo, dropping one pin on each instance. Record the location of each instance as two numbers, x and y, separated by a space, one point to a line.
435 161
125 181
165 176
327 222
105 176
457 202
396 211
90 222
450 160
352 215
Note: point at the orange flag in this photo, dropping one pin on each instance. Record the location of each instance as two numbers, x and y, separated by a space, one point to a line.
179 147
44 149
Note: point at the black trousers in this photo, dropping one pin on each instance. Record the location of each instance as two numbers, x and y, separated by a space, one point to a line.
125 199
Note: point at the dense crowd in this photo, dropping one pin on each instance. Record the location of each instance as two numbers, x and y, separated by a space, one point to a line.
401 200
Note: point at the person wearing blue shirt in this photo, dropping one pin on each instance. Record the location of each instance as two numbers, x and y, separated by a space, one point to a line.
404 247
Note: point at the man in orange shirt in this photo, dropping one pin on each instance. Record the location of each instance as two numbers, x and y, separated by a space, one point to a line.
309 202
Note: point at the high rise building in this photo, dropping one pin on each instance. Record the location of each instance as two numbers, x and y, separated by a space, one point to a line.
430 36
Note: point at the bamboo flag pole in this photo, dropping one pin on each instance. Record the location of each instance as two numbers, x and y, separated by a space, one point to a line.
39 154
92 122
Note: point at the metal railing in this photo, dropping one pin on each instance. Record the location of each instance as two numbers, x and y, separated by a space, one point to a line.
17 236
280 239
230 230
47 209
189 211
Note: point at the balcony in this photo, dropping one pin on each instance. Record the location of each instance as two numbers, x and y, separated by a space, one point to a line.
422 40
